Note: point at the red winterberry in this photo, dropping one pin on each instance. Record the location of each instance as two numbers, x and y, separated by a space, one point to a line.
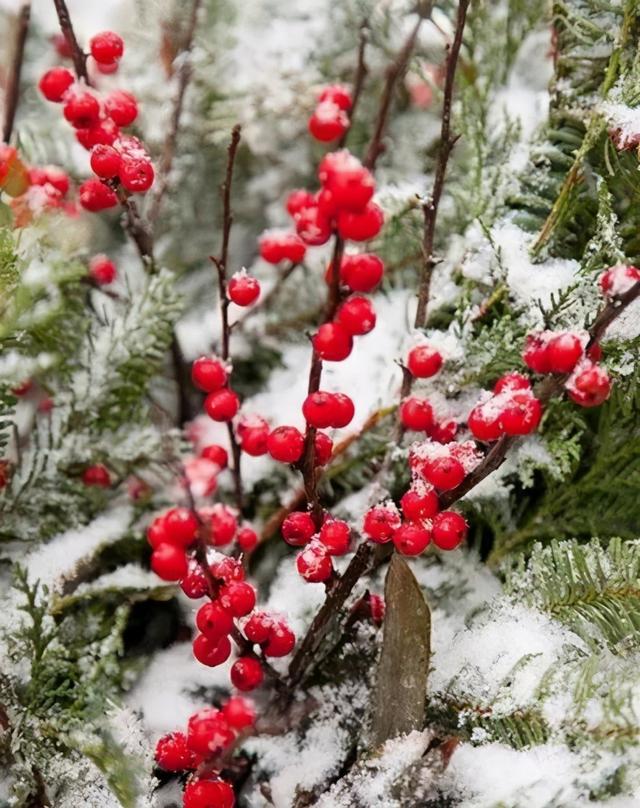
323 448
535 355
424 361
380 523
377 608
239 712
227 569
213 620
246 673
444 472
338 94
416 414
280 641
350 184
363 225
50 175
285 444
157 532
103 132
106 47
101 270
243 289
208 793
96 196
247 539
222 405
332 342
344 410
209 374
181 526
319 409
328 122
169 562
216 454
444 431
275 247
121 107
590 386
484 421
105 161
419 504
563 352
362 273
298 528
449 530
239 597
253 434
81 108
172 753
510 382
222 523
97 475
258 627
314 564
194 584
335 535
521 414
312 226
211 652
136 176
619 279
357 315
410 539
55 83
297 200
208 732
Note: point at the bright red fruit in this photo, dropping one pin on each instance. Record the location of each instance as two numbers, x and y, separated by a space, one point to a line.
81 108
521 414
285 444
484 421
337 93
172 753
298 528
312 226
328 122
424 361
362 273
243 289
350 184
381 522
222 405
227 569
101 270
449 530
275 246
180 526
50 175
216 454
106 47
280 641
239 597
619 279
157 532
208 732
97 475
247 539
323 448
246 673
121 107
344 410
335 535
332 342
211 652
410 539
422 504
136 175
510 382
96 196
363 225
563 352
314 564
55 83
169 562
320 409
297 200
222 523
590 386
104 132
535 355
357 315
209 374
444 473
208 793
444 431
416 414
239 712
253 434
213 620
105 161
258 627
194 584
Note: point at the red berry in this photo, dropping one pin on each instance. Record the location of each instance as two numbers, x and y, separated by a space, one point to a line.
416 414
216 454
172 753
326 203
136 176
350 184
312 226
209 374
227 569
169 562
343 409
239 597
96 196
50 175
449 530
297 200
510 382
535 354
521 414
377 608
97 475
181 526
444 431
106 47
484 421
319 409
194 584
285 444
422 504
103 132
444 473
328 122
208 793
258 627
590 386
157 532
275 247
338 94
424 361
594 352
81 108
410 539
246 673
362 273
213 620
243 289
253 434
239 712
280 641
314 564
363 225
563 352
381 522
222 405
323 448
101 270
335 535
222 523
332 342
298 528
208 732
55 83
211 652
357 315
121 107
619 279
105 161
247 539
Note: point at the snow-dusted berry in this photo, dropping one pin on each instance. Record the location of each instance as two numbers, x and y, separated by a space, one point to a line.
363 272
328 122
535 355
210 792
338 94
332 342
521 414
239 712
335 535
106 47
96 196
590 385
357 315
444 472
243 289
411 539
216 454
424 361
81 108
313 227
297 200
136 175
121 107
209 374
563 352
449 530
172 753
285 444
298 528
275 247
55 83
619 279
208 732
361 225
419 503
416 414
222 405
381 522
102 270
323 449
238 597
314 563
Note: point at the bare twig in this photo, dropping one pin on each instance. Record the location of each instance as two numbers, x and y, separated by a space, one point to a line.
78 56
358 80
447 142
13 82
185 72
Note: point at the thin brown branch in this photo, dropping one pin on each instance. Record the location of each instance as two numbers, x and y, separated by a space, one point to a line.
137 228
359 78
185 71
447 141
78 56
12 93
394 72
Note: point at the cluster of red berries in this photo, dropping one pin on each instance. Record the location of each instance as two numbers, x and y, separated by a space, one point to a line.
116 159
210 733
416 414
330 119
512 409
333 539
211 375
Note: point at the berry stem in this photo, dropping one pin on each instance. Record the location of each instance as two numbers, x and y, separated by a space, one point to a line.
13 82
78 56
448 140
360 76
